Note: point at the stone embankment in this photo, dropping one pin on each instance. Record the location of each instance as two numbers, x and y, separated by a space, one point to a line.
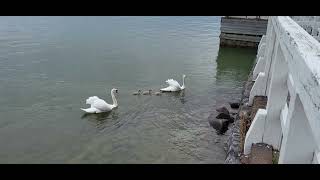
242 121
239 118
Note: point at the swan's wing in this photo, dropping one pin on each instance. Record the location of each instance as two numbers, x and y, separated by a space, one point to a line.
172 82
91 99
90 110
101 105
169 89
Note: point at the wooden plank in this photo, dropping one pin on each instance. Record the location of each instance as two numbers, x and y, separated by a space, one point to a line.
240 37
242 30
243 19
248 17
244 22
243 26
239 31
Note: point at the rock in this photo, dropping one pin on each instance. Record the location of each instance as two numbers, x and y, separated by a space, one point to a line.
231 119
223 110
233 113
221 125
223 116
234 105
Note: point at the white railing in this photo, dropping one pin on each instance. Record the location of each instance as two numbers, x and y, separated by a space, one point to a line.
311 24
288 65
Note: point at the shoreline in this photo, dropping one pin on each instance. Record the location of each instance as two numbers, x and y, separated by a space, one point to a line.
235 141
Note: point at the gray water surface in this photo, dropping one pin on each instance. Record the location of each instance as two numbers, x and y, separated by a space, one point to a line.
50 65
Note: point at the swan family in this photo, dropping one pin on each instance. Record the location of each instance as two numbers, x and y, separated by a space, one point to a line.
98 105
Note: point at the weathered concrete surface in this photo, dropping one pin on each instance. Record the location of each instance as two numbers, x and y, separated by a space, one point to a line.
311 24
260 154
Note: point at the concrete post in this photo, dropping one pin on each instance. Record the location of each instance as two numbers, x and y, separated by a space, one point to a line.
276 99
297 144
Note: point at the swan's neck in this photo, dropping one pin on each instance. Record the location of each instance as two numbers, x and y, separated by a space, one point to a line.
182 87
114 100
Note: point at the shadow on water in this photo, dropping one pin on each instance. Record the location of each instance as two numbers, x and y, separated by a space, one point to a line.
179 95
233 64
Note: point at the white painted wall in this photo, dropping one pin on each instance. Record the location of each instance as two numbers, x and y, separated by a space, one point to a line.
291 61
254 134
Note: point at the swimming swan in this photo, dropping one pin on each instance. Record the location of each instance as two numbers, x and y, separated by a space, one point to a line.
98 105
174 85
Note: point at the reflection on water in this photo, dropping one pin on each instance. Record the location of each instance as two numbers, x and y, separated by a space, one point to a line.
232 64
177 95
101 120
96 117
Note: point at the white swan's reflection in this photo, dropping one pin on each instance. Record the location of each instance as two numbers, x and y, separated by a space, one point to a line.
101 120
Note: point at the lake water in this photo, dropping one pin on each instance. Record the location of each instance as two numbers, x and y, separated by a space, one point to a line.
50 65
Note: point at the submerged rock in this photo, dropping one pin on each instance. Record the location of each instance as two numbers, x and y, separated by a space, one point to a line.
233 113
234 105
223 110
221 125
231 119
223 116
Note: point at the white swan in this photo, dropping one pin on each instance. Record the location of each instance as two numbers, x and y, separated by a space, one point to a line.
174 85
98 105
